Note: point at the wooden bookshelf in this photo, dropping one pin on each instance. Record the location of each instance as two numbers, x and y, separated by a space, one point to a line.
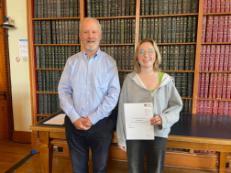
52 37
177 26
214 77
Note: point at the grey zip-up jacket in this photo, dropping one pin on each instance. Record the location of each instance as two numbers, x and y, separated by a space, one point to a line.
166 102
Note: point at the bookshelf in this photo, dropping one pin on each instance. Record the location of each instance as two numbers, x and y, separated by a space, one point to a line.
214 89
119 26
53 27
173 24
189 33
183 29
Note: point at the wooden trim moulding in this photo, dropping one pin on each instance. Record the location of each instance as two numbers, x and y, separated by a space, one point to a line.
22 137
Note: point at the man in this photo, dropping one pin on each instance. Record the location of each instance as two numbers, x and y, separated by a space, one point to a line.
88 92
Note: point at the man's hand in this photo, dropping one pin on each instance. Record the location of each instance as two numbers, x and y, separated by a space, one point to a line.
83 123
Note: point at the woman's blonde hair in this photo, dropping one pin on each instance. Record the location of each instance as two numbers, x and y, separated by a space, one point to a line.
158 56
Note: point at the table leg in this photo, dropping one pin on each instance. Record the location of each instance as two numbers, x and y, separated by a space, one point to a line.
46 152
222 162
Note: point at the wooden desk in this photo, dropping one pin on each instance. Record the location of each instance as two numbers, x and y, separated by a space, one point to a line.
197 132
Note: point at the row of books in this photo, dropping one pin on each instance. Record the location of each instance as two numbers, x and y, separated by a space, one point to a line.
48 80
215 85
56 8
216 28
48 103
169 29
217 6
56 31
214 107
174 57
122 54
187 106
177 57
101 8
118 31
163 30
184 83
53 56
168 7
215 58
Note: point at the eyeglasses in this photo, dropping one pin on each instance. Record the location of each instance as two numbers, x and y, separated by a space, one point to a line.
142 52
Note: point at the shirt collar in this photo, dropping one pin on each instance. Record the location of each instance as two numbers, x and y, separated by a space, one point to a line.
98 52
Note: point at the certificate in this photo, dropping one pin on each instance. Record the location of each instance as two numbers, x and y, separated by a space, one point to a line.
137 121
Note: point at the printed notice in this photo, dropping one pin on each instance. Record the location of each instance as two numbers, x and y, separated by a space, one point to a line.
137 121
23 49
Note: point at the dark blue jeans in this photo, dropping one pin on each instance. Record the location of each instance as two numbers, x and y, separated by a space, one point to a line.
97 138
152 150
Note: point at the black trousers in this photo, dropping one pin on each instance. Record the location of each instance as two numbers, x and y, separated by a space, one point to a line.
151 152
97 138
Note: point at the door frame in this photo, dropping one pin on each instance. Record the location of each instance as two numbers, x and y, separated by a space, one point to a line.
5 86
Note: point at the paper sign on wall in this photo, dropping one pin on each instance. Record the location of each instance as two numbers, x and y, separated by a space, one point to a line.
23 49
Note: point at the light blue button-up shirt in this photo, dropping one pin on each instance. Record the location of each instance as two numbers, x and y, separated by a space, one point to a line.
89 87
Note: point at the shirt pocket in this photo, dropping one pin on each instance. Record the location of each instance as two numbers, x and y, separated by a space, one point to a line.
101 83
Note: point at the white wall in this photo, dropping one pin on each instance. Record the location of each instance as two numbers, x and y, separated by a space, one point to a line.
19 67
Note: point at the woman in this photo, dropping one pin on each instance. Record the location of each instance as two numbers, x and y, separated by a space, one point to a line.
148 84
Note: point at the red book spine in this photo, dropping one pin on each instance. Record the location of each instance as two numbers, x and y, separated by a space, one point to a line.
219 85
229 108
222 56
213 6
229 55
220 29
229 30
202 59
225 85
206 85
209 29
209 6
222 2
207 57
215 107
214 92
211 85
228 91
199 86
215 28
220 108
210 107
226 58
204 28
205 108
202 85
205 6
227 5
217 57
225 28
226 108
218 6
212 58
199 105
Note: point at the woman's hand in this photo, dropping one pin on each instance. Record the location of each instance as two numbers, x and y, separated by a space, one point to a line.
156 120
122 147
